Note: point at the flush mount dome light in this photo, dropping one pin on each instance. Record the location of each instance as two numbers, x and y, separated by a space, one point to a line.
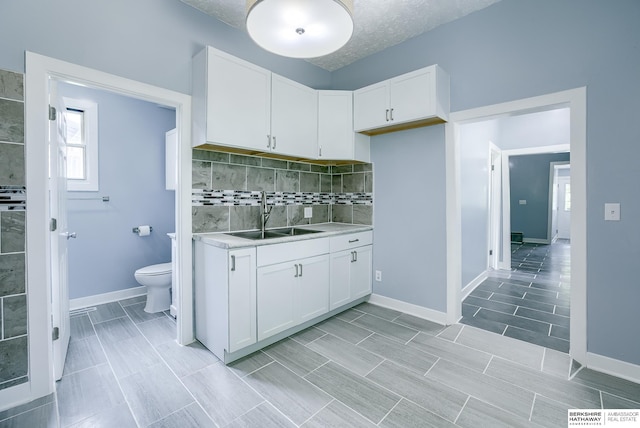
300 28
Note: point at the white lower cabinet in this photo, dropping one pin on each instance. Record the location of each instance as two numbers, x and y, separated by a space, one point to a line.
225 298
246 295
293 291
350 268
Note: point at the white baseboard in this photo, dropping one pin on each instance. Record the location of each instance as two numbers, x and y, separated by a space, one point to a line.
467 289
613 367
535 241
409 308
113 296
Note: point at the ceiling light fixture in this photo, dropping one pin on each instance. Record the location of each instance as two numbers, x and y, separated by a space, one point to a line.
300 28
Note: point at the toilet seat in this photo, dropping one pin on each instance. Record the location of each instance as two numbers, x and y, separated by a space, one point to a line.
153 270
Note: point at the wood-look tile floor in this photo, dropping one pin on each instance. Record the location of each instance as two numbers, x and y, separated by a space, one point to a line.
366 367
530 302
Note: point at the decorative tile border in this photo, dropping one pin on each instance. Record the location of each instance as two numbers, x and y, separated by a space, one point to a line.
13 198
202 197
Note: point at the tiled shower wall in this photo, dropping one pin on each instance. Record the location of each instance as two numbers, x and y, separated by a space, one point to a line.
14 368
226 171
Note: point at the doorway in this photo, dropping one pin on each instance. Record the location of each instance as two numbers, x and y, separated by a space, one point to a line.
40 70
575 101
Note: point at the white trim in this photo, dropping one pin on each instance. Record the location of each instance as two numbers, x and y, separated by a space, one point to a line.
613 367
39 70
409 308
473 284
113 296
576 100
535 241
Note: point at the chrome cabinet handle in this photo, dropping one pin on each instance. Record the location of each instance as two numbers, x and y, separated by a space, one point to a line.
351 241
268 141
274 143
355 256
391 115
300 269
296 271
352 260
386 114
233 263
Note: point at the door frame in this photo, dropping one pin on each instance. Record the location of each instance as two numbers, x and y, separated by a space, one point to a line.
495 250
576 101
39 69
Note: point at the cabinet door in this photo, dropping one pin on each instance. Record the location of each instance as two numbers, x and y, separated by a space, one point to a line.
411 96
276 297
238 102
335 125
370 107
294 118
242 298
312 290
340 290
361 273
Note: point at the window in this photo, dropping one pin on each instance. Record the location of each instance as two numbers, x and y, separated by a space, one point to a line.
567 197
82 145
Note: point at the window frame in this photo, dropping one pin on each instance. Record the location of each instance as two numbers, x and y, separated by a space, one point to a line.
90 136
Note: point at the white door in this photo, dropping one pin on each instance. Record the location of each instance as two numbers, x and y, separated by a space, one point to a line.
564 207
59 233
495 190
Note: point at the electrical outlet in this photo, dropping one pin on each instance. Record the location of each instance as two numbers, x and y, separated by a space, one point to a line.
378 275
308 212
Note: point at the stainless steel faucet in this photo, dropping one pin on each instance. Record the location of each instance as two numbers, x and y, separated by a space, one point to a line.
264 212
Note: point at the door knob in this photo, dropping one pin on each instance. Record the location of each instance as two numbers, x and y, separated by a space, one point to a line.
70 235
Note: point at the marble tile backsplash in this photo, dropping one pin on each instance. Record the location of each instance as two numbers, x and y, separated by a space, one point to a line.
227 171
14 369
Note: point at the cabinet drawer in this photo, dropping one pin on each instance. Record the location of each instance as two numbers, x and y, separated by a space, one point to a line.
352 240
278 253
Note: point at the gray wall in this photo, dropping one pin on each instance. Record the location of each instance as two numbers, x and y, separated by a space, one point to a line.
14 365
131 159
224 171
409 216
529 181
152 41
474 196
516 49
512 50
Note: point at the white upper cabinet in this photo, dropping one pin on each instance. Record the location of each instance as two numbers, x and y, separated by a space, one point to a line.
411 100
336 138
239 105
294 118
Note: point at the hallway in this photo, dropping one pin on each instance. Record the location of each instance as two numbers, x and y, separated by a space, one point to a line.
530 302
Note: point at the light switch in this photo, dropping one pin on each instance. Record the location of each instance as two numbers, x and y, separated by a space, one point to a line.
522 202
612 212
308 212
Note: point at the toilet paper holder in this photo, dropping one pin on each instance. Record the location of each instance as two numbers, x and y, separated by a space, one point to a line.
136 229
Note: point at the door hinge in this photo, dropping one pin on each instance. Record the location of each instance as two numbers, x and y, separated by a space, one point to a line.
53 225
52 113
493 167
55 335
491 252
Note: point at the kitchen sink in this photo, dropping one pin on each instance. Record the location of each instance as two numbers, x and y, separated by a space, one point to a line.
273 233
293 231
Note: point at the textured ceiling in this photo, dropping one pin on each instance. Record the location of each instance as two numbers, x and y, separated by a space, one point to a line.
378 24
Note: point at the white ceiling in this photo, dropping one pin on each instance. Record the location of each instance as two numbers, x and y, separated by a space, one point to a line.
378 24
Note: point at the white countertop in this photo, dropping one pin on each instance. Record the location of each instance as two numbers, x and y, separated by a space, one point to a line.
224 240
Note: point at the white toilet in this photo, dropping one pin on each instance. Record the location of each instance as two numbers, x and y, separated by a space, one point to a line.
157 279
